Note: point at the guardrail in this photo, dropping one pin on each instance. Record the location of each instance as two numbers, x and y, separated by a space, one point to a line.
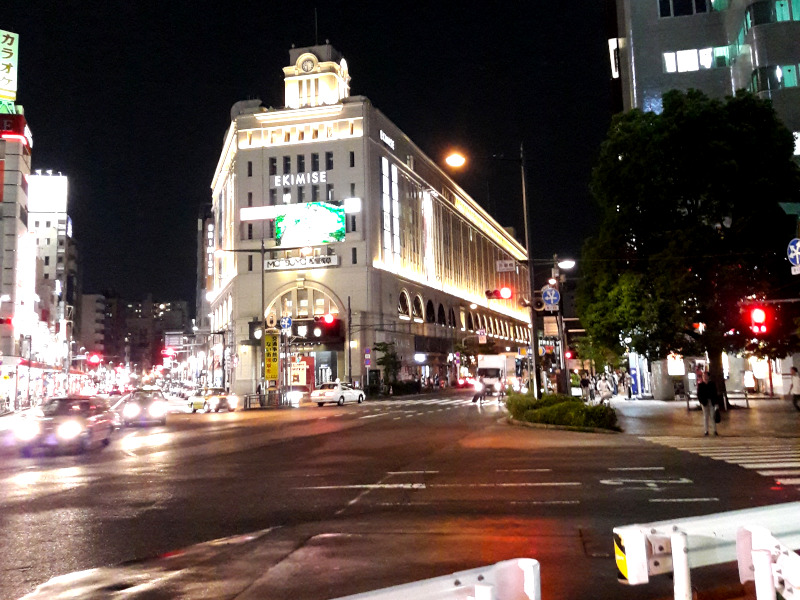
745 536
516 579
272 399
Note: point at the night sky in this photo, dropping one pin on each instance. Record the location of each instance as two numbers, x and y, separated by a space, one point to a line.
131 100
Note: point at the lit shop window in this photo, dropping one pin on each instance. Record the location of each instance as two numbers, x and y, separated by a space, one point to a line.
685 61
774 78
797 143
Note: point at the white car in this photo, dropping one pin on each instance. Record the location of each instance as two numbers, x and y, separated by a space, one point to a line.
337 392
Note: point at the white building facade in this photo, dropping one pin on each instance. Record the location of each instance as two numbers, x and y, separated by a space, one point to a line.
351 220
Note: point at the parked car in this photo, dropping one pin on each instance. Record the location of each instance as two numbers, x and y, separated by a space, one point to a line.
73 423
214 399
142 406
338 392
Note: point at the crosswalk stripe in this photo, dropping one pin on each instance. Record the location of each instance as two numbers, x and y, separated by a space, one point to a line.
769 458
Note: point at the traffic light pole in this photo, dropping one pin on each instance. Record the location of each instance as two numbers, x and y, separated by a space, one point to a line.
533 357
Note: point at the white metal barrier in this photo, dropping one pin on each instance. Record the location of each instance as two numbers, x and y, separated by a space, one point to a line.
516 579
742 535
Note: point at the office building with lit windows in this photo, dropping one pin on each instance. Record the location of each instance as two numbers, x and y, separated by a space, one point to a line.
716 46
325 207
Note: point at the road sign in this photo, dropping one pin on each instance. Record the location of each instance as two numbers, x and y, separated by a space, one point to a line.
286 322
793 252
506 266
272 320
271 357
551 297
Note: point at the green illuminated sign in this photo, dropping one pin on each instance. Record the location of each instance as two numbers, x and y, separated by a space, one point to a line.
309 224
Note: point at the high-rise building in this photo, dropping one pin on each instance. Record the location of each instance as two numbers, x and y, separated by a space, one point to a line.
326 214
715 46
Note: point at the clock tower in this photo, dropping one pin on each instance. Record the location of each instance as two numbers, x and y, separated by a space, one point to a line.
317 76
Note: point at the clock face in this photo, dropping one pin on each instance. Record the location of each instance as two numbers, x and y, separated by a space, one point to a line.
307 65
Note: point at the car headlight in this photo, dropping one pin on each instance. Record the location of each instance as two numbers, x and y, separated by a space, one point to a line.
131 410
213 401
497 386
69 430
25 430
233 401
158 409
478 386
294 396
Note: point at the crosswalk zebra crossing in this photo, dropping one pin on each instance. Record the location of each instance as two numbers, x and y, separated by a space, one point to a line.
778 458
429 402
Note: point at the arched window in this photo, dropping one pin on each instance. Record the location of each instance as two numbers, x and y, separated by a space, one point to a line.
451 318
417 309
470 325
403 305
440 317
430 313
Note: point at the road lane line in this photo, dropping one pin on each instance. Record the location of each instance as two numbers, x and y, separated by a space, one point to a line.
780 472
543 502
788 481
771 465
664 500
644 481
366 486
523 470
410 472
509 485
636 468
372 416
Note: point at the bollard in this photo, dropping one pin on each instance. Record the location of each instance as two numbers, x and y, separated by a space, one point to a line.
682 578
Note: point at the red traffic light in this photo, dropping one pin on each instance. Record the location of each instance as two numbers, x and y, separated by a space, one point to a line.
326 319
94 359
504 293
568 354
758 320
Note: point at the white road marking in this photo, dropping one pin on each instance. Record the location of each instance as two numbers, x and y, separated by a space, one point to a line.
543 502
367 486
372 416
523 470
788 481
506 485
411 472
770 465
644 481
780 472
684 500
636 468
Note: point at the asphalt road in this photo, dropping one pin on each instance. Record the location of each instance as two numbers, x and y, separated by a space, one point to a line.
360 497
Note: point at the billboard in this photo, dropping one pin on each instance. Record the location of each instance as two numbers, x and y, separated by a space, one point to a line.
271 357
309 224
9 58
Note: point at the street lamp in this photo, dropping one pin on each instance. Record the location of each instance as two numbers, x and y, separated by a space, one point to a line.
458 160
556 280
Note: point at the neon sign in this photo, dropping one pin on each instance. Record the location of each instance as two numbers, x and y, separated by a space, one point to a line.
309 224
299 179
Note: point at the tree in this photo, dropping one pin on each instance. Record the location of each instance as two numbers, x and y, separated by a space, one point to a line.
389 360
691 228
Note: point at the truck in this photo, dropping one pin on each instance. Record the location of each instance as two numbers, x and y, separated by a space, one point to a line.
494 370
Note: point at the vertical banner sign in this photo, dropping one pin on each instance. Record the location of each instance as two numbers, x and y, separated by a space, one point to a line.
9 58
271 356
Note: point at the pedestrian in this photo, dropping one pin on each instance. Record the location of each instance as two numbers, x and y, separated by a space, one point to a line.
604 388
707 397
794 388
585 383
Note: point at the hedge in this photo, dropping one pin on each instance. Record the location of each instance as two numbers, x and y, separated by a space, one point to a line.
560 409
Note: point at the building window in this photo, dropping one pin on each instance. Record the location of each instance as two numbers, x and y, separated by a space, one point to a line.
352 190
47 223
273 165
352 159
352 222
287 195
249 231
301 194
287 164
249 198
273 197
301 163
354 256
682 8
60 260
46 260
46 276
36 223
315 193
249 168
329 161
329 192
315 162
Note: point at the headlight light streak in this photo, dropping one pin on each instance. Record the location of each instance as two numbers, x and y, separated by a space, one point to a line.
131 410
26 429
69 430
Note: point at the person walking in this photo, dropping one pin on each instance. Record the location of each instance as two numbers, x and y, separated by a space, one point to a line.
707 397
604 389
585 383
794 388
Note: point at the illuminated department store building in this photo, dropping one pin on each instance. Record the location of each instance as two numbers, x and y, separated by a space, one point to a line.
356 222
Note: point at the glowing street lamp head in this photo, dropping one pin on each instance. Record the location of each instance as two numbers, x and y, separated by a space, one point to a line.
456 160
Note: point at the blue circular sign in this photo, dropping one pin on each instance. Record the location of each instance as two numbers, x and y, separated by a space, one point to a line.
550 296
286 322
793 252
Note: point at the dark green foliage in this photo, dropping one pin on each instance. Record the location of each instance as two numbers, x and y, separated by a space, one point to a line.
690 227
519 404
573 414
389 360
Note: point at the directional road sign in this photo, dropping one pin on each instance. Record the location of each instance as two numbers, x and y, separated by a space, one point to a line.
551 297
286 322
793 252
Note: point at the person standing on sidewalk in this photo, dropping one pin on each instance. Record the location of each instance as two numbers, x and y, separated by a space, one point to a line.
794 388
707 397
604 388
